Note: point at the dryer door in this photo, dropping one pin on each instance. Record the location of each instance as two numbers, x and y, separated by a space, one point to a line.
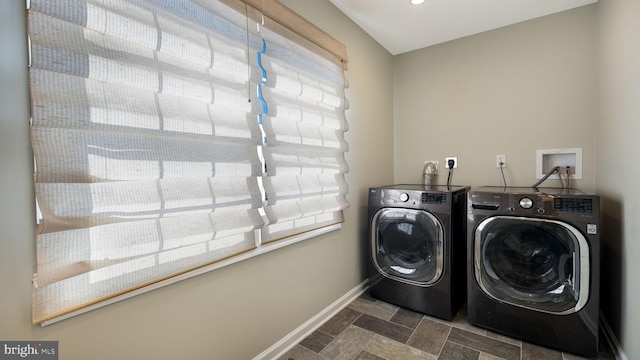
407 245
539 264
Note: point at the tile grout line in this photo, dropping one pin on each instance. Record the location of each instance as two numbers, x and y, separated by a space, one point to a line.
352 323
490 338
445 341
479 351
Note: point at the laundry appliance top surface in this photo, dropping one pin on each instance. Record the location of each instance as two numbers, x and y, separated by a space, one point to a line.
530 190
419 187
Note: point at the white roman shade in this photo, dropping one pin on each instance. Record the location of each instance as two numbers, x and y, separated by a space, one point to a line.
144 144
304 144
148 133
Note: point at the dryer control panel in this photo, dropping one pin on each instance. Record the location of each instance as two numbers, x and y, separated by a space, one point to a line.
434 198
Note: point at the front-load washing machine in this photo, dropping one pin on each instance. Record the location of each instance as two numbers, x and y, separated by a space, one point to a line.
418 247
533 265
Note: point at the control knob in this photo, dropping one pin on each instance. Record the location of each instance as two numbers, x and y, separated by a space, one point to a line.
526 203
404 197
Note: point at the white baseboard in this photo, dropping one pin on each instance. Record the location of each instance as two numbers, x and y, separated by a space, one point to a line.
297 335
611 339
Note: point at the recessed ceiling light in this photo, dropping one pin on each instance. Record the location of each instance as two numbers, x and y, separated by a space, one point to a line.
417 2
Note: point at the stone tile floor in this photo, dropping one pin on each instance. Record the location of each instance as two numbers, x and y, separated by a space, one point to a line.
370 329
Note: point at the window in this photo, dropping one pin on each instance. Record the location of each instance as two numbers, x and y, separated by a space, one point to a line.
172 135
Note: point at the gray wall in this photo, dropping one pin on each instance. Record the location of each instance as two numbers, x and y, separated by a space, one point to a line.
233 313
618 176
508 91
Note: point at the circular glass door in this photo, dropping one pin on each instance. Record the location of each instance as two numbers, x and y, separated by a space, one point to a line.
540 264
407 245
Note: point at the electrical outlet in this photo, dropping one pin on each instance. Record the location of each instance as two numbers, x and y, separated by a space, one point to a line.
501 161
455 161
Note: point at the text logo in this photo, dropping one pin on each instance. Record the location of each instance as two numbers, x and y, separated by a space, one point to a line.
28 350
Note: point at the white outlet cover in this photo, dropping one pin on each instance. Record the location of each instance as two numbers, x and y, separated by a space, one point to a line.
502 158
454 158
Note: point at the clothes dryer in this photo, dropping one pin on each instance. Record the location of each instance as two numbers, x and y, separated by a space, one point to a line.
533 265
417 255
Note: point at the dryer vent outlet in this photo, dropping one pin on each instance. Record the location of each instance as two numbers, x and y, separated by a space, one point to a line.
430 167
429 172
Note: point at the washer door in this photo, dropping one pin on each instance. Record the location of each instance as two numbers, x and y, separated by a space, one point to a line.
539 264
407 245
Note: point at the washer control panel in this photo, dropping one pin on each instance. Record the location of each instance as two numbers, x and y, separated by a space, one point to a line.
567 204
531 204
580 205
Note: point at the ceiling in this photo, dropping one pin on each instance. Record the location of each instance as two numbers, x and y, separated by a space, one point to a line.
400 26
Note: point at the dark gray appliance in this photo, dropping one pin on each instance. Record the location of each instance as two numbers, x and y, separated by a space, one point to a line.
417 247
533 265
